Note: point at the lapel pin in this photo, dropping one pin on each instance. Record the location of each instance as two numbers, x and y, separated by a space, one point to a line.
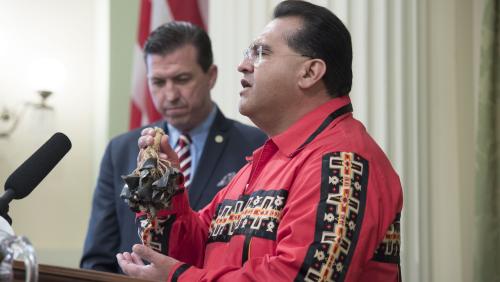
219 138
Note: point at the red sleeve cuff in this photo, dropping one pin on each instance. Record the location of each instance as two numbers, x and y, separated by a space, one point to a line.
177 270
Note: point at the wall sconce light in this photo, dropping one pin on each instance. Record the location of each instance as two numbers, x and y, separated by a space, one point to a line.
47 76
11 118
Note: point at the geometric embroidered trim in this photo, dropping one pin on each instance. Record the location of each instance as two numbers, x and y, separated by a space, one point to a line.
344 179
255 215
159 237
388 249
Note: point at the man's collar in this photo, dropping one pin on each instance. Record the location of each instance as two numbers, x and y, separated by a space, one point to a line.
296 135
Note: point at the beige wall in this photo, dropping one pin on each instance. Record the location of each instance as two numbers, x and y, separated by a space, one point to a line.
123 26
54 217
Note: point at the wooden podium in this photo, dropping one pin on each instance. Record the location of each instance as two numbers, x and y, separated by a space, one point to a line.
50 273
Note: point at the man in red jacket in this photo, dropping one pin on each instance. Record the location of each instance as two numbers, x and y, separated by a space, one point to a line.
319 201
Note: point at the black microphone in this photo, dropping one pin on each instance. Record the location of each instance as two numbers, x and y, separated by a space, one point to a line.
27 176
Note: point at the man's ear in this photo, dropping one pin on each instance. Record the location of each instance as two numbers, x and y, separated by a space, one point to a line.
212 76
312 71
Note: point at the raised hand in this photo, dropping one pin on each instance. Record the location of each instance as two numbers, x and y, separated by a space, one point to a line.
166 152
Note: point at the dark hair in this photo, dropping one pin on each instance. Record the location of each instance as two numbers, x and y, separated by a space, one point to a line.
169 37
324 37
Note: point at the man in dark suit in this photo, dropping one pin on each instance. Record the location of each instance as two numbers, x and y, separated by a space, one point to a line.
181 74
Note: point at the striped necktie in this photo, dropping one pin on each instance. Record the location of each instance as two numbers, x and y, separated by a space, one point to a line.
182 150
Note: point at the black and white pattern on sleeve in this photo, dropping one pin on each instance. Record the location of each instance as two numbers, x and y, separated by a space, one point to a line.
340 211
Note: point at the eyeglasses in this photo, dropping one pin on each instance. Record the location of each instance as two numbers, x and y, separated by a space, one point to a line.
254 54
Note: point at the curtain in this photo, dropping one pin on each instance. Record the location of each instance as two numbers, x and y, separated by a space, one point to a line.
487 249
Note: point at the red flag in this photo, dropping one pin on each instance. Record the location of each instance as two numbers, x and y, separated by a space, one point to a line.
154 13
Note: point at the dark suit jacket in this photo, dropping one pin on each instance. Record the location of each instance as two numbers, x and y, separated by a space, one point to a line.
112 226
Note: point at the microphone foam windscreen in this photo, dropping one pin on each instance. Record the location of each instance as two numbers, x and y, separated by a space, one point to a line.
27 176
